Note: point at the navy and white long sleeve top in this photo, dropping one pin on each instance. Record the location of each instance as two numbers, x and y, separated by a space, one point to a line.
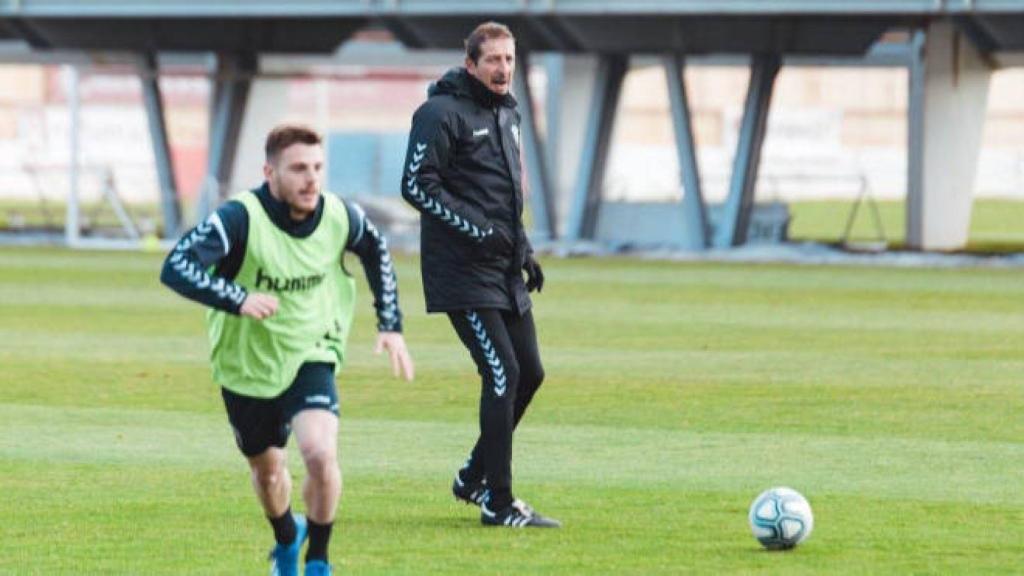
205 262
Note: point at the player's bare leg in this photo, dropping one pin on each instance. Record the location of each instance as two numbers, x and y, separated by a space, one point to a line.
317 434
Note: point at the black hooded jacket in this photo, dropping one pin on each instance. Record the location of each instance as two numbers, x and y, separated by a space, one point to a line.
463 174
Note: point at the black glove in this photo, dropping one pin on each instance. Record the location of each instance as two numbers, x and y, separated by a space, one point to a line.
534 274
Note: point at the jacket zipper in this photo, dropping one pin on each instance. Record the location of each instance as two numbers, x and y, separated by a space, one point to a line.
514 257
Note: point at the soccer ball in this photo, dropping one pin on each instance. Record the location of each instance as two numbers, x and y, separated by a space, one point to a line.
781 518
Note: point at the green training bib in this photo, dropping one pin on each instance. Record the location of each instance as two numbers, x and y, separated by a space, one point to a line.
260 358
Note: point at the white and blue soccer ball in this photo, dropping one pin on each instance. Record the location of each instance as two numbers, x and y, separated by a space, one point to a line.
781 518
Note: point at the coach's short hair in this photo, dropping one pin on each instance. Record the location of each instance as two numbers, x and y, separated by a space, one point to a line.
285 135
482 33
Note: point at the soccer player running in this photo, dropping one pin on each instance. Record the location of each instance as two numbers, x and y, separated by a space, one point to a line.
269 265
463 174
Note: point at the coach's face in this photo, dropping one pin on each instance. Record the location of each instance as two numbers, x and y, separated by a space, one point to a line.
496 64
295 177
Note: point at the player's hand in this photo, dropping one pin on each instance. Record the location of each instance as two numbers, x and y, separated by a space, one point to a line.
534 274
401 361
259 306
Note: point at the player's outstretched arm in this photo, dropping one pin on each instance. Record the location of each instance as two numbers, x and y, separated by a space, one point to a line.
401 360
372 248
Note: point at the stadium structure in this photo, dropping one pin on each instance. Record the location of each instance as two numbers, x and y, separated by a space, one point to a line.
950 49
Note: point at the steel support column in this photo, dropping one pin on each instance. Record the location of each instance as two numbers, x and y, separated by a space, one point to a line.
232 80
695 234
72 220
149 75
554 67
731 229
541 200
949 88
611 70
915 137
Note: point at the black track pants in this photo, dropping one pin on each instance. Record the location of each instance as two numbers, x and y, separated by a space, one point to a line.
504 347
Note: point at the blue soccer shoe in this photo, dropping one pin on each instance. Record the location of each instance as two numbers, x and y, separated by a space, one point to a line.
284 560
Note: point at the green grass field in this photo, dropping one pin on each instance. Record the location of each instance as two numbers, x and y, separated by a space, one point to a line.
995 224
892 398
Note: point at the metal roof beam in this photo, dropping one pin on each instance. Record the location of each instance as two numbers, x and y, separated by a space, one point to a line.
362 8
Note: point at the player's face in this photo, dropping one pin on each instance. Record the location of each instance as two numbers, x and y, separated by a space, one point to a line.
496 64
295 177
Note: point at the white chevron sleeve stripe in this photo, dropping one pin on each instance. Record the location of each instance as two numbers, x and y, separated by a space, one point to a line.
434 206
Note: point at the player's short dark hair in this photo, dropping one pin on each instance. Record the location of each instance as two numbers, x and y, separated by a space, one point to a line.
285 135
482 33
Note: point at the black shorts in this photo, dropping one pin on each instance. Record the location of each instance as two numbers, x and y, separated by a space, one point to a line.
260 423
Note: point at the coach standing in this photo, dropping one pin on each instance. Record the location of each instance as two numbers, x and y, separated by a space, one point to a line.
463 173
